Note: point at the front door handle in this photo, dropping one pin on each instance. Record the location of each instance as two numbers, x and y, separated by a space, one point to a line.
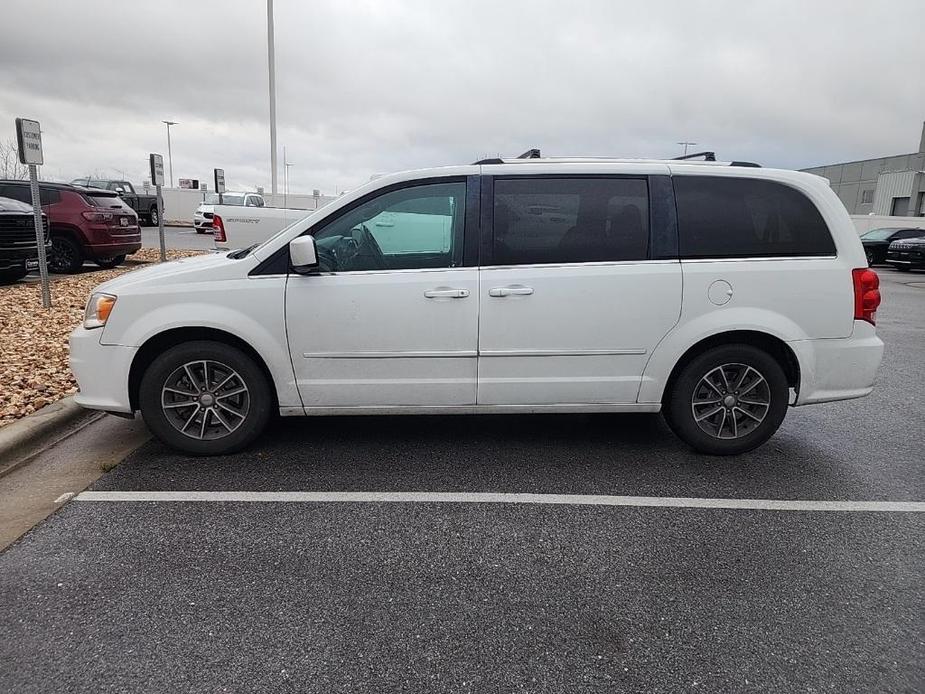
513 290
446 293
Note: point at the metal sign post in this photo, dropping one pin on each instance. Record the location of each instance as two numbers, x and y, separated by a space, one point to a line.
29 141
219 183
157 178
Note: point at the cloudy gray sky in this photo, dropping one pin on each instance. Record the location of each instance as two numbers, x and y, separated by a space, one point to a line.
373 86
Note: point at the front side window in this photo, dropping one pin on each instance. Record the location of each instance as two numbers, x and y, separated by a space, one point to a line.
409 228
570 220
724 217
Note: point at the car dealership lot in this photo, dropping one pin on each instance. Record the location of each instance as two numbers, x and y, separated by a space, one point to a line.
468 596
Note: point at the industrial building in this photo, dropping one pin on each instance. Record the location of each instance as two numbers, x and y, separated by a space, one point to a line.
893 185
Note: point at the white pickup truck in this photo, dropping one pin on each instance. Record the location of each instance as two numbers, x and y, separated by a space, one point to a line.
239 227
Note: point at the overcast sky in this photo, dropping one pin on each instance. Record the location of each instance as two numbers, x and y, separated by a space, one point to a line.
382 85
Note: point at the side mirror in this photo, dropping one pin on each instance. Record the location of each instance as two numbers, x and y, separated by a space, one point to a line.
303 255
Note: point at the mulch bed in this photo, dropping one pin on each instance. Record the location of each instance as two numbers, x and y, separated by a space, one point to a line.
34 341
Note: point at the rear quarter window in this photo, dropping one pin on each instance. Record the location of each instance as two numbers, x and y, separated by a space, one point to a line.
721 217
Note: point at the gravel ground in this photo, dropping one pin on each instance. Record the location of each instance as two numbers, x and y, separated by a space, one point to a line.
33 342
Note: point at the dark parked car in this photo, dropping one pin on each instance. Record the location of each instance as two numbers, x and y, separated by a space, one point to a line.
18 250
876 242
907 253
84 224
145 206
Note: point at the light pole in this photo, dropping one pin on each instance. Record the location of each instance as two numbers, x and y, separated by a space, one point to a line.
286 165
271 62
168 123
686 145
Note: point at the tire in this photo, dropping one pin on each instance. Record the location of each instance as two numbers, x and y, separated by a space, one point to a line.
13 274
152 215
763 381
871 258
109 263
205 432
65 256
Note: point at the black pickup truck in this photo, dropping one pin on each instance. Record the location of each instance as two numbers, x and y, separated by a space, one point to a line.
145 206
18 251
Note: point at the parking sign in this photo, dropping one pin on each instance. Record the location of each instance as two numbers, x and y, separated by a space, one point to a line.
219 181
29 140
157 169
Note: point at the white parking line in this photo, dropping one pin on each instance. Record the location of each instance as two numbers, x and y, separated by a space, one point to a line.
505 498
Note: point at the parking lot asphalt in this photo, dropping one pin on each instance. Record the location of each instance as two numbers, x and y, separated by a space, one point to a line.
472 597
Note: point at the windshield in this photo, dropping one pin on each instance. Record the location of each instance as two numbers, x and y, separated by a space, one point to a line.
878 234
227 199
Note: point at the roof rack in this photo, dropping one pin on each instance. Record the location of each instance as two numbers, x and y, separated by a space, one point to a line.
707 156
529 154
534 154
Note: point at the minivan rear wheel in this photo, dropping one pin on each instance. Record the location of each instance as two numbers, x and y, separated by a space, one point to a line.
728 400
205 398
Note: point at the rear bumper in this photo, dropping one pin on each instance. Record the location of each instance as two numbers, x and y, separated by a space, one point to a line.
117 246
838 368
102 371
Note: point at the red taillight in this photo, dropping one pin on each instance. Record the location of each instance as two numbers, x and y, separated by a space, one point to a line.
97 216
218 227
866 294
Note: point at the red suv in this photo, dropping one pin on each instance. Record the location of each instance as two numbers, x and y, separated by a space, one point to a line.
84 224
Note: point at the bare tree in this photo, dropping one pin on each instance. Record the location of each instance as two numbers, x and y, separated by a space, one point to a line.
10 168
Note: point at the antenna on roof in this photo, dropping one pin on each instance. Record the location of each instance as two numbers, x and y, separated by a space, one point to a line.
707 156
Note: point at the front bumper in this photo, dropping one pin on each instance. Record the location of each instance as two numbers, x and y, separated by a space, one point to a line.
905 259
102 371
838 368
11 257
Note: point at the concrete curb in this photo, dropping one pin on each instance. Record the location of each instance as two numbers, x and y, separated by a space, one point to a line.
22 439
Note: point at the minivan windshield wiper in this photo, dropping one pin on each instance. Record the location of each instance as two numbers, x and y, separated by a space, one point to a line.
242 252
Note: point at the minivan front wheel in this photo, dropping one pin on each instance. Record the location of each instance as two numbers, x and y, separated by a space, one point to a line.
728 400
205 398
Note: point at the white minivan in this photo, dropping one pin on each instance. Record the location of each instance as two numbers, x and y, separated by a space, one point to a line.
718 294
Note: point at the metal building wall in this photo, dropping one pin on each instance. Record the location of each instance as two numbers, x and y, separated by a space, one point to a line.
852 179
889 186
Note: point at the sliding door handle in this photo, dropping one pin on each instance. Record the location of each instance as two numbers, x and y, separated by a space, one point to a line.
513 290
445 293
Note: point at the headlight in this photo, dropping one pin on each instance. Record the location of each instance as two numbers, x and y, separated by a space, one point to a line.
98 309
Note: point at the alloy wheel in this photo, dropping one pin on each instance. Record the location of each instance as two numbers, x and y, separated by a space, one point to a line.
205 400
61 258
731 401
